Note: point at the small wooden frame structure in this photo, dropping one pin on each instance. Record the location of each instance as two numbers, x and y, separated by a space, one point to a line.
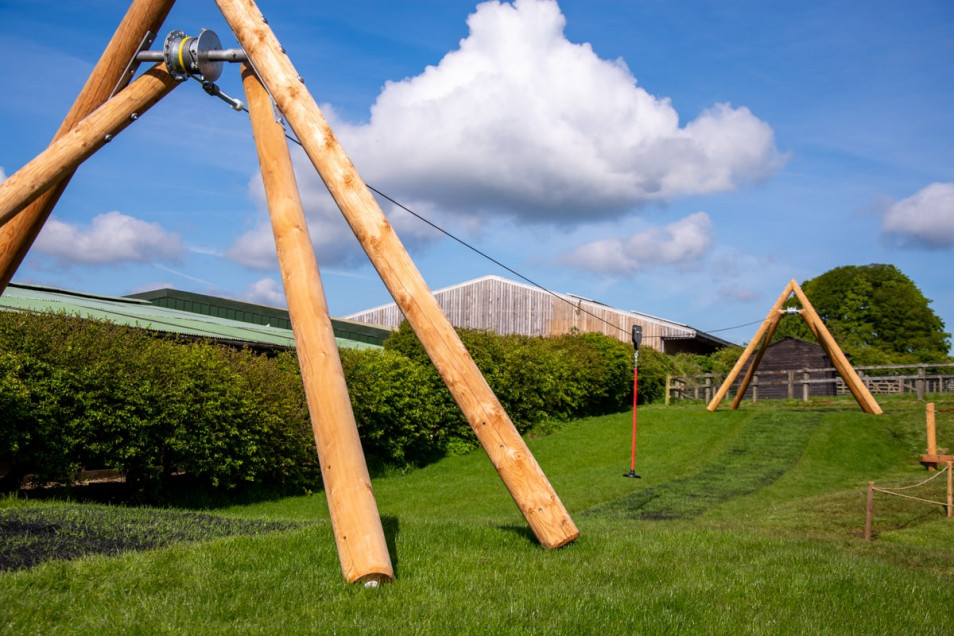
28 196
932 458
764 335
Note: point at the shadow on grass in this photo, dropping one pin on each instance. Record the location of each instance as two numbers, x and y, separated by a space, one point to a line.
392 528
522 531
30 536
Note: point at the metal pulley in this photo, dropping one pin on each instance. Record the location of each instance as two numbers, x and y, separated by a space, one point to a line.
185 56
189 56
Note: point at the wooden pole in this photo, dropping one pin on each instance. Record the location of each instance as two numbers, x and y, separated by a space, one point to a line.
825 339
766 324
950 490
508 452
17 236
869 511
755 363
931 433
362 548
63 155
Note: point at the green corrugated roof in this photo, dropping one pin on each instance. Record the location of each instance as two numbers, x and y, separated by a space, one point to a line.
145 315
256 314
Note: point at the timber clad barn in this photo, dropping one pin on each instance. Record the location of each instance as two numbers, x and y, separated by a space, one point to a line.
507 307
785 355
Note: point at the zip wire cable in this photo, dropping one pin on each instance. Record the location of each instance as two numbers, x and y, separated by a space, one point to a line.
240 106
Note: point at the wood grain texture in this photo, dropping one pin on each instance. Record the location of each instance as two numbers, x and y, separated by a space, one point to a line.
509 454
359 535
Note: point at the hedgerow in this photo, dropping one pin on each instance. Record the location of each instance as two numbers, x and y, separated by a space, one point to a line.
87 394
79 394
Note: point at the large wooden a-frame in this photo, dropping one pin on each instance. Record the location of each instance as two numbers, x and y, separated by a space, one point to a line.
28 196
763 337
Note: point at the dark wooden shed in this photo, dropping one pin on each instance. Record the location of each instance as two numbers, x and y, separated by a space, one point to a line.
792 355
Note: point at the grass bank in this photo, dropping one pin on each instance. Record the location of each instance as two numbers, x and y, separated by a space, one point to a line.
743 521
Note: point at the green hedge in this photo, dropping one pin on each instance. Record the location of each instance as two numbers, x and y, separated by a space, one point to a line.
80 394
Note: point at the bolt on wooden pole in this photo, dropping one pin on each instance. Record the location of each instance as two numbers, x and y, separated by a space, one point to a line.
143 16
509 454
362 548
63 155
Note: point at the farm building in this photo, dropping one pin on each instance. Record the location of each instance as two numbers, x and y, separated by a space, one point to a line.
791 356
507 307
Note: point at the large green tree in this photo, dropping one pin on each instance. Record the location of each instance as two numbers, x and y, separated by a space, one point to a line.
875 313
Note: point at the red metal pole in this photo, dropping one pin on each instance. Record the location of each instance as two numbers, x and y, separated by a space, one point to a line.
637 338
632 465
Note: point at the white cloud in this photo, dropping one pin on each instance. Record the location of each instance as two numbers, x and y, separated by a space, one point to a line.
332 239
739 293
679 242
520 122
111 238
925 219
265 291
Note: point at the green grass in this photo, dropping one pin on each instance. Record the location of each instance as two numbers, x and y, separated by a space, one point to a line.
744 522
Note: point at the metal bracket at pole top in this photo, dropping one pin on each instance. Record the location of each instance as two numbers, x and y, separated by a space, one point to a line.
637 340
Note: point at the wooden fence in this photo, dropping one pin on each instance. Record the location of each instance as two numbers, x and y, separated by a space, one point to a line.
880 380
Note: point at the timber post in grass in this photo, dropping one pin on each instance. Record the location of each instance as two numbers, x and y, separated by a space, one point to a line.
508 452
62 156
950 489
931 424
362 548
142 18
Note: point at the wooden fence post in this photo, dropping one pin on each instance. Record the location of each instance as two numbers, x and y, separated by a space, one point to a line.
950 491
931 433
668 387
919 383
869 511
805 386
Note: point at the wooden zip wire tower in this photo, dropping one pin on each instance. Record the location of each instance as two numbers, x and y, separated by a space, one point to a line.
106 105
764 336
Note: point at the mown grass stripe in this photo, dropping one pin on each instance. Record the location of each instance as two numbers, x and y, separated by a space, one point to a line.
765 448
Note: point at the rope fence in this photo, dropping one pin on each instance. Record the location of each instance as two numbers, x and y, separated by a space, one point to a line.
949 504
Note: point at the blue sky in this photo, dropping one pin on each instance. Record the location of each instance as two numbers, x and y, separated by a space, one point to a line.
682 159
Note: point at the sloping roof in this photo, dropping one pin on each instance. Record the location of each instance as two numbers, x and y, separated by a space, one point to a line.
256 314
145 315
482 302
